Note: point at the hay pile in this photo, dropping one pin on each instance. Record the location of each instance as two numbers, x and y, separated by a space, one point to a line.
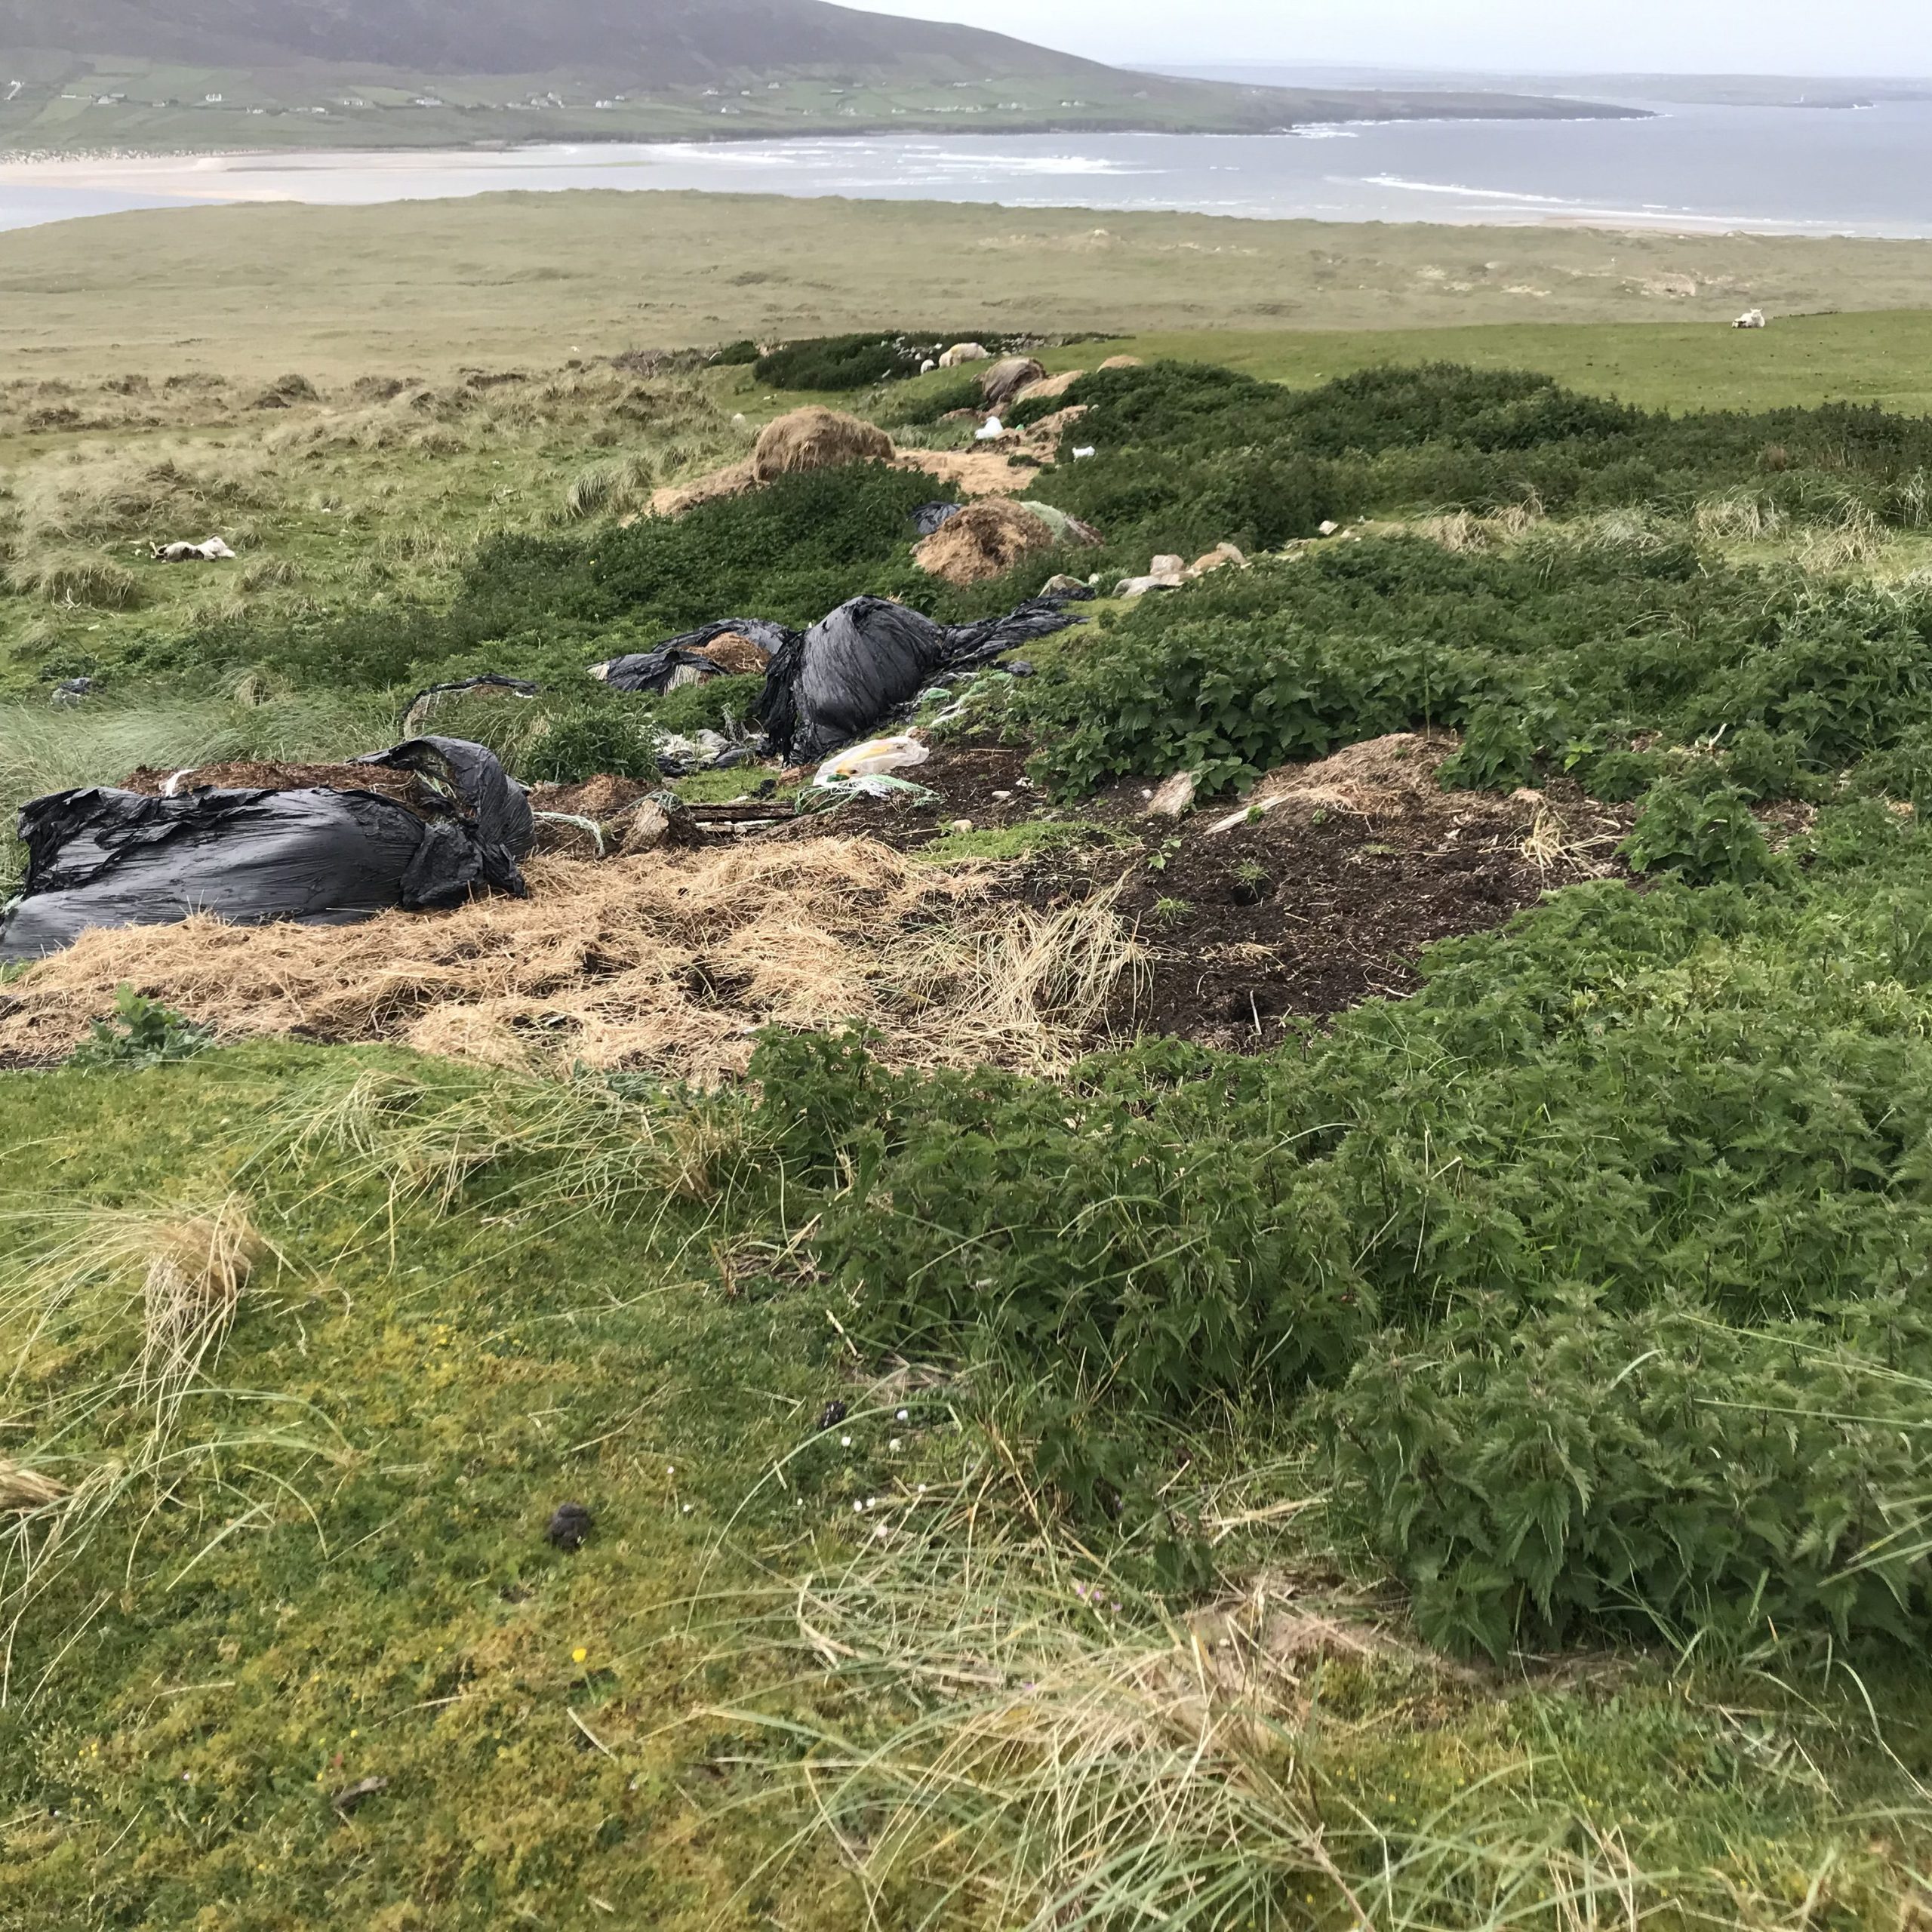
737 656
807 439
984 541
669 963
1388 777
815 438
1049 387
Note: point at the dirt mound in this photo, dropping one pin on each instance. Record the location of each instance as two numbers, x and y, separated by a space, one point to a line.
984 541
1381 777
1123 362
815 438
1050 386
669 963
406 788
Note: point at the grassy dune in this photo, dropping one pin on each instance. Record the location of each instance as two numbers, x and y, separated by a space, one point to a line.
425 288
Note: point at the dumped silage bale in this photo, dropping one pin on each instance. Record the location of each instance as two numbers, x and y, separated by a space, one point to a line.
668 963
422 826
852 670
1001 384
734 647
815 438
990 537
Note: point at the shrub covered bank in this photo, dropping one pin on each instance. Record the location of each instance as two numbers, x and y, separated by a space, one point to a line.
1594 1267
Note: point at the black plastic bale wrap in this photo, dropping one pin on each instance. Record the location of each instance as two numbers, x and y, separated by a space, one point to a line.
653 670
851 671
102 857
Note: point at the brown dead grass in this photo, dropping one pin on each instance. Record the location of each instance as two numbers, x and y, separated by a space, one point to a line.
670 962
984 541
24 1489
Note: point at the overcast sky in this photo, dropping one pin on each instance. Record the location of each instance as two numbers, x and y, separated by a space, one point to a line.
1863 37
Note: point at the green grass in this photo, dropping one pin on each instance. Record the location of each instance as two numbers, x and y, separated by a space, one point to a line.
1117 1661
1878 359
494 1305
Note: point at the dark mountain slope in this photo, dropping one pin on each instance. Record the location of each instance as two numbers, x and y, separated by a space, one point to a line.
670 42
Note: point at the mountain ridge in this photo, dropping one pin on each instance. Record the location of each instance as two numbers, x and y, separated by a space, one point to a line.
671 42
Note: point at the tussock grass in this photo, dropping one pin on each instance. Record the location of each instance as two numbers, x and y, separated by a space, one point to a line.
96 493
611 489
1748 516
1024 1738
112 1320
75 582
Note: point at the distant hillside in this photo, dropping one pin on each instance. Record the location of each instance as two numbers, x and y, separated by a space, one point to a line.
661 42
182 75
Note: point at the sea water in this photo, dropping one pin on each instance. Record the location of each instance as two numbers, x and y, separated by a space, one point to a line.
1771 169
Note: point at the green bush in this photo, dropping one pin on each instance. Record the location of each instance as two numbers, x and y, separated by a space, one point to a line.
1497 754
1704 834
607 740
142 1033
1680 1120
1656 1473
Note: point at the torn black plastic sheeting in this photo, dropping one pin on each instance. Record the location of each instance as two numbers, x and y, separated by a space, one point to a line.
854 669
655 670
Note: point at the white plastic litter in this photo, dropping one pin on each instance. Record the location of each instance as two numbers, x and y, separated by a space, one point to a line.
874 756
1080 456
993 430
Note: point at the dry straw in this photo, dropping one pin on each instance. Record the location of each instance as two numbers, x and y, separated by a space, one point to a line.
669 964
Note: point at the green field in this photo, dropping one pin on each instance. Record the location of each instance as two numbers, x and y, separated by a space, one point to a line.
250 292
1352 1370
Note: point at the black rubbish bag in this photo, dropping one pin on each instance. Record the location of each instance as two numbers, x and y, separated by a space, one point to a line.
102 857
658 670
931 518
851 671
